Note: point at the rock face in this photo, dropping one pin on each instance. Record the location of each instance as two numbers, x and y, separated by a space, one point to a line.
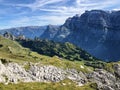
28 32
14 73
96 31
117 69
50 32
105 80
9 36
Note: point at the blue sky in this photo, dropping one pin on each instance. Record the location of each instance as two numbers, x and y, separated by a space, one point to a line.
16 13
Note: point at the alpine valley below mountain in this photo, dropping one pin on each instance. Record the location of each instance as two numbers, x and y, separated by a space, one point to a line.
96 31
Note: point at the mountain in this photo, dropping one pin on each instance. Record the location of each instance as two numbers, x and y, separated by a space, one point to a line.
28 31
50 32
95 31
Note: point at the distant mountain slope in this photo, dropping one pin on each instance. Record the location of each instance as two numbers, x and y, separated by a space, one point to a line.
62 50
96 31
51 48
28 32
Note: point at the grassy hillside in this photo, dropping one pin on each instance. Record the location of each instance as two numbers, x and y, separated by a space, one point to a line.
63 50
63 85
51 48
11 51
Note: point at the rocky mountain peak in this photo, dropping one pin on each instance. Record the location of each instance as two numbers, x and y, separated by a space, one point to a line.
94 19
50 31
96 31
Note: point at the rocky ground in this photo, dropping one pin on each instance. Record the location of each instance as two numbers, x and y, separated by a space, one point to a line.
14 73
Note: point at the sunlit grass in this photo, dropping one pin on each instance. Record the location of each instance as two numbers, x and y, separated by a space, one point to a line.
63 85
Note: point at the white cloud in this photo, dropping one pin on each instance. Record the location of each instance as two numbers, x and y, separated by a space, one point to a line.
116 9
78 6
38 4
96 4
20 21
60 12
38 20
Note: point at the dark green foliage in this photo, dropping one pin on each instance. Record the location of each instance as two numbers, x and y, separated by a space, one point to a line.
96 64
4 61
94 86
1 45
51 48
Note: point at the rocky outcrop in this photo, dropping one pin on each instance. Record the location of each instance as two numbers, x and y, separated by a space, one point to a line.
14 73
47 73
9 36
105 80
116 68
96 31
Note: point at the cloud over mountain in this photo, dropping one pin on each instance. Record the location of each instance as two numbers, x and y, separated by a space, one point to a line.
40 12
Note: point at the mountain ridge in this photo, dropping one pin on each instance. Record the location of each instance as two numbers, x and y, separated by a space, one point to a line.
27 31
96 31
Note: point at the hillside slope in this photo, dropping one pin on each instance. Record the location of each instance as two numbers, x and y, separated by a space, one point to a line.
29 70
51 48
62 50
12 50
